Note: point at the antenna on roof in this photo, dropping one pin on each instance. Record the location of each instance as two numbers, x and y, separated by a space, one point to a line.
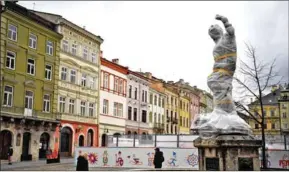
33 6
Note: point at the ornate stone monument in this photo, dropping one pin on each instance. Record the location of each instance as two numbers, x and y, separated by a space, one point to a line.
226 142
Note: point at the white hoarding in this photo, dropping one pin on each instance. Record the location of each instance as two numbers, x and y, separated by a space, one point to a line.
139 157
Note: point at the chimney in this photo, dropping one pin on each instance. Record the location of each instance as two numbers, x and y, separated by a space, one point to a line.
149 75
170 82
116 61
84 27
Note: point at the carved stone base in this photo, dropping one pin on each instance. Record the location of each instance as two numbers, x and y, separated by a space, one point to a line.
228 153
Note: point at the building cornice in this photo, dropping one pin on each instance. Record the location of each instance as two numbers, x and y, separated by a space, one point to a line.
114 66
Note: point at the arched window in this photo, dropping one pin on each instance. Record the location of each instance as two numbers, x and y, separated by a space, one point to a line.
90 138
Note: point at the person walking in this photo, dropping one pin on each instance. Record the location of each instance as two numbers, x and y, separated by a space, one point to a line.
159 158
10 154
82 163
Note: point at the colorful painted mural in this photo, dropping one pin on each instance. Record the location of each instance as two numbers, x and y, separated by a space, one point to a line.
138 157
278 159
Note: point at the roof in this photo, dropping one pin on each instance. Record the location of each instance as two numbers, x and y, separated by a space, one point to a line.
12 6
269 99
114 66
57 19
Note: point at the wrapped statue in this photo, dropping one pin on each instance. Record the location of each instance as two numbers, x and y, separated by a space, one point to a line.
224 118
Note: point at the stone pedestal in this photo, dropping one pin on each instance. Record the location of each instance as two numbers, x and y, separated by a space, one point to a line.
228 153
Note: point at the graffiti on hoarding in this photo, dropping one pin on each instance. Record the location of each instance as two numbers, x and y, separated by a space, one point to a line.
105 158
151 157
284 162
118 159
92 158
192 160
134 160
172 161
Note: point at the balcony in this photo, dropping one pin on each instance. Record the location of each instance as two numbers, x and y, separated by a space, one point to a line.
22 112
159 126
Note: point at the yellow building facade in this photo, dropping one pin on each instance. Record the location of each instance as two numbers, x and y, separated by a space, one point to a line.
184 111
284 109
172 111
29 58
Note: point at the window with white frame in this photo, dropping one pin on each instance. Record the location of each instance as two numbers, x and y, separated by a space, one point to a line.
105 106
92 81
63 73
120 88
105 80
83 80
65 46
29 99
115 104
120 110
116 84
85 53
12 32
93 58
32 41
91 109
82 108
49 47
46 103
31 66
72 76
62 104
48 72
74 49
71 106
8 96
10 59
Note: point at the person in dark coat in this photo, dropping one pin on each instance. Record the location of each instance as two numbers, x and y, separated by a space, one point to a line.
159 158
10 154
82 163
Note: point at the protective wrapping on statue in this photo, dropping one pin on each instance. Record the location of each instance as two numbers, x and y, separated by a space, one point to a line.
224 118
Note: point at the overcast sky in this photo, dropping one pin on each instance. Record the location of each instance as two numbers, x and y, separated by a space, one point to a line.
170 39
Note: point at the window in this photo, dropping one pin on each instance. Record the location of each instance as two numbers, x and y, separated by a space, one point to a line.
135 93
180 104
71 106
12 32
91 109
82 108
129 111
135 114
144 116
151 98
10 60
160 102
48 72
120 89
273 126
62 104
155 117
146 96
29 99
83 80
285 126
284 115
31 66
46 103
115 109
264 113
65 46
32 41
8 96
116 84
151 117
85 53
105 80
265 125
120 110
129 91
181 121
49 48
63 73
272 113
93 58
159 118
73 49
92 83
155 100
72 76
142 96
105 106
163 103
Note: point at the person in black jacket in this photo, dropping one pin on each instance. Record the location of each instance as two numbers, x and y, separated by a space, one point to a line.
10 154
82 163
159 158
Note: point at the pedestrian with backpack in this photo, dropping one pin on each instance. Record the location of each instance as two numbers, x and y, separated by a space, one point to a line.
159 158
10 154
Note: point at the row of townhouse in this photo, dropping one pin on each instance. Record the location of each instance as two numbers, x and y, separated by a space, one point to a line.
58 92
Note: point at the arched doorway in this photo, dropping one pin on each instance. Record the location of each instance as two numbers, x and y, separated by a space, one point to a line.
26 156
129 134
44 145
103 140
66 141
81 141
90 137
5 142
144 136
